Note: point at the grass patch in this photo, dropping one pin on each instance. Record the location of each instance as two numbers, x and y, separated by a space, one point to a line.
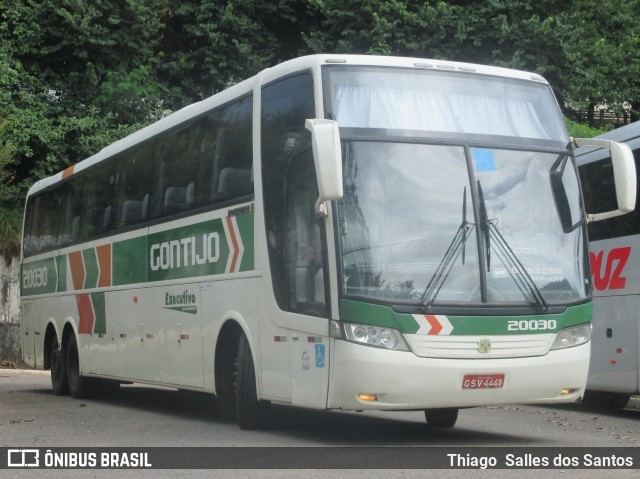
581 130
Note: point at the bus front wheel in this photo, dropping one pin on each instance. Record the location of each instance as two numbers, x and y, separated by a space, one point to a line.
444 417
249 410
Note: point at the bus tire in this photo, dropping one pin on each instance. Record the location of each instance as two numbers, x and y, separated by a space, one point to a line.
594 399
604 400
58 362
619 400
444 417
79 387
249 410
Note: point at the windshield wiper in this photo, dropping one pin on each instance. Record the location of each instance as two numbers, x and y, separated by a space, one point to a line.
484 222
521 277
455 249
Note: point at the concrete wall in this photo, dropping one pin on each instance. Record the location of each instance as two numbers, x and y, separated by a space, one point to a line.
10 344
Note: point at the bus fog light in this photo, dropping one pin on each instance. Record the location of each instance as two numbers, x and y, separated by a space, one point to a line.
571 337
375 336
367 397
566 392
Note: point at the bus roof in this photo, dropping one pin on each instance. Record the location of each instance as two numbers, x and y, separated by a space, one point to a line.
311 62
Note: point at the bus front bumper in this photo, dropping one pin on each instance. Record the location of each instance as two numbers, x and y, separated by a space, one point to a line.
396 380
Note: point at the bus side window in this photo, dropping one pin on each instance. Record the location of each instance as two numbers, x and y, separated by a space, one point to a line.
47 226
135 173
70 213
99 212
30 222
293 235
178 171
600 195
303 244
232 160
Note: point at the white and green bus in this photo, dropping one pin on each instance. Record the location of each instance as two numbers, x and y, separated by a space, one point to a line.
340 232
614 373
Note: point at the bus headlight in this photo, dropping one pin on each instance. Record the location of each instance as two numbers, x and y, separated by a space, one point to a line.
571 337
375 336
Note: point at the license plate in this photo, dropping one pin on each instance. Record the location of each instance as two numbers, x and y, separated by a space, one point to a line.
482 381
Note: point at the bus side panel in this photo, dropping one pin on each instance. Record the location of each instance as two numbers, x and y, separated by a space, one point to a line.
221 301
177 316
124 342
275 375
28 334
615 338
58 309
616 315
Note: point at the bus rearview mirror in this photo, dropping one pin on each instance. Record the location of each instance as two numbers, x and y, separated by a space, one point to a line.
327 157
624 176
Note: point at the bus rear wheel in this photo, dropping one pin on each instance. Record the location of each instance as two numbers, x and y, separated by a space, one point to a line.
444 417
79 386
58 362
250 411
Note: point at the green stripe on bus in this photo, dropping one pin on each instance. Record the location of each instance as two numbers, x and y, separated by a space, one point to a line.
465 325
90 268
39 277
245 225
62 273
379 315
129 261
190 251
201 249
100 325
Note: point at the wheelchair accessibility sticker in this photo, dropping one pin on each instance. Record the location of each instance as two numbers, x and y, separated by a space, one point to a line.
320 355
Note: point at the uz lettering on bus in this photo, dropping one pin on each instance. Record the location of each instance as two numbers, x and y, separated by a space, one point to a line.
610 279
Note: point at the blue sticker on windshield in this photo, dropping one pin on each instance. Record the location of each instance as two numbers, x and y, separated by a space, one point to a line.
484 160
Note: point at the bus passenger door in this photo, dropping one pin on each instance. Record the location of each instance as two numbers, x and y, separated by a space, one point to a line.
307 319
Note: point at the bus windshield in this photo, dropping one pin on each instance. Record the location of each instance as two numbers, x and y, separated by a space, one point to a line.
436 101
430 223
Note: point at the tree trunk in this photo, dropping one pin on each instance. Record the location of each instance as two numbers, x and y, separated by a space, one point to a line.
591 110
635 111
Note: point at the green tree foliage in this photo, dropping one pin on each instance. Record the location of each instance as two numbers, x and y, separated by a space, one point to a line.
29 134
587 50
600 41
383 27
207 46
75 75
582 130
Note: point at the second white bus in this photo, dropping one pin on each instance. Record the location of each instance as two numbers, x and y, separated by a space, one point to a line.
614 244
